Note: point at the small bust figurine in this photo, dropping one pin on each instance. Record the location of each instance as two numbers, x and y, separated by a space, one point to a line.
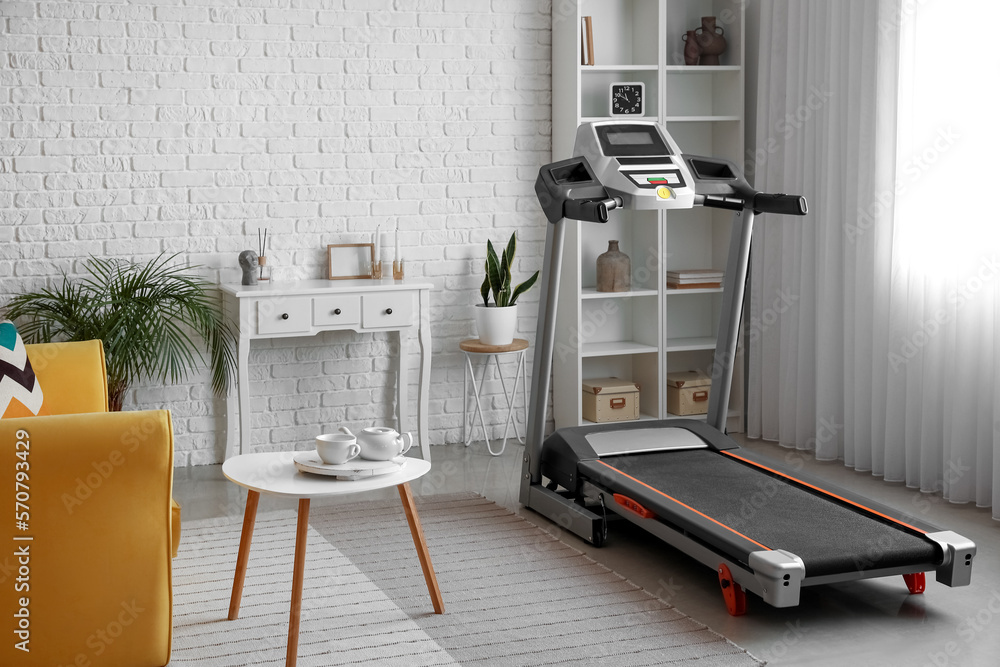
248 262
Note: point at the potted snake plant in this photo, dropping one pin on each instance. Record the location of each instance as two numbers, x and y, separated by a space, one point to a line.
497 321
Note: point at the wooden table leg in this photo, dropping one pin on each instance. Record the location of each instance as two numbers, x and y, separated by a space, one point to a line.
406 495
249 517
301 532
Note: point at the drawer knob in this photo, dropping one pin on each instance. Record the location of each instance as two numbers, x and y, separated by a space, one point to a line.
388 311
284 316
336 311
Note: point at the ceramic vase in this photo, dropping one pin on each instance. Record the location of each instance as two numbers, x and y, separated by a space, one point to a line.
614 270
692 52
711 40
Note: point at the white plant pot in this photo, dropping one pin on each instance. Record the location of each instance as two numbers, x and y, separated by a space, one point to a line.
495 325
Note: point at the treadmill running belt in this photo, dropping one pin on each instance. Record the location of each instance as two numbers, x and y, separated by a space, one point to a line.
829 537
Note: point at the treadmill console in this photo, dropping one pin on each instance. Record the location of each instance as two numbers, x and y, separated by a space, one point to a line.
638 162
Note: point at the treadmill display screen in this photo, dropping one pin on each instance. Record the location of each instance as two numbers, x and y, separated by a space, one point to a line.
629 140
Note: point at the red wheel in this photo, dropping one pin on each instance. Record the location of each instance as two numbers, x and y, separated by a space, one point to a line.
732 592
916 582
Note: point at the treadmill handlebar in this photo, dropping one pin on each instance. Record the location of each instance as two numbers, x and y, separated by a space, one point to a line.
571 189
760 203
781 204
592 210
727 203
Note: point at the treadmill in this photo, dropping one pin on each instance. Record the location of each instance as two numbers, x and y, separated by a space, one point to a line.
763 527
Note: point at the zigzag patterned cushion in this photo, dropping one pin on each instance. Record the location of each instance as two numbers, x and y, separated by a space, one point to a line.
20 395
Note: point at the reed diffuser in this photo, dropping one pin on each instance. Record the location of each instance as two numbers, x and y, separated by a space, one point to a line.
265 270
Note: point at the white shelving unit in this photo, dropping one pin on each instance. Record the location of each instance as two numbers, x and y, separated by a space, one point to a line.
650 331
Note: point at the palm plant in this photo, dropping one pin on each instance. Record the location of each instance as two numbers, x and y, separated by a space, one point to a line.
146 315
498 276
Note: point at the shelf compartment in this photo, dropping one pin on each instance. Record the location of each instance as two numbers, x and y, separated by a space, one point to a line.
684 15
705 95
703 234
720 136
638 236
595 90
626 32
692 323
609 321
639 368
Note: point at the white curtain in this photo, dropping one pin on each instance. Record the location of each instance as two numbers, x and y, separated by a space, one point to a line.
872 320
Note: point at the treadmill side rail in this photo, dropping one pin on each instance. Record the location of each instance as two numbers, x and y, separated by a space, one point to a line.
780 574
956 570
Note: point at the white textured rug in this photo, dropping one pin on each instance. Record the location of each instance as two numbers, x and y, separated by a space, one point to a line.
513 595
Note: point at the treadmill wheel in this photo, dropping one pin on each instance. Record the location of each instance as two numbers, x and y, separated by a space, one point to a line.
736 598
916 582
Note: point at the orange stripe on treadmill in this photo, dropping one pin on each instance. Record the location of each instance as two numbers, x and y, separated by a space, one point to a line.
702 514
825 492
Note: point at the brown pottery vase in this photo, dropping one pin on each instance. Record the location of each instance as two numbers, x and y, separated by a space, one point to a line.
614 270
692 52
711 41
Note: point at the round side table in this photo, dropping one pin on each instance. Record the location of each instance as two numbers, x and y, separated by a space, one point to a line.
275 474
473 347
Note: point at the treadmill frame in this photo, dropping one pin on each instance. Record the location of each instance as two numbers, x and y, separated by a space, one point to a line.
775 575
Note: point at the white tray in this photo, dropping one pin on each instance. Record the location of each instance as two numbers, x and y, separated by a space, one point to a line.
354 469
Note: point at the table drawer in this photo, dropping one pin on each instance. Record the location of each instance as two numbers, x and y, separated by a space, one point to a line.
335 310
386 310
285 315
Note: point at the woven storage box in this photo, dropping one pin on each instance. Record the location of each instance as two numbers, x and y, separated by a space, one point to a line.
610 400
688 392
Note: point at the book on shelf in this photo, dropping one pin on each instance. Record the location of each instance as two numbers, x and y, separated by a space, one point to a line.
694 279
587 41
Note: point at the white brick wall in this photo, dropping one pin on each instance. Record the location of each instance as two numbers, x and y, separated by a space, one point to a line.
130 129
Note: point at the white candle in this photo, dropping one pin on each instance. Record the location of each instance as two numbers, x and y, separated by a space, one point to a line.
378 241
397 243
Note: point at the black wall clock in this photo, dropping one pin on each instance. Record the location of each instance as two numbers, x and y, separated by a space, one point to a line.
628 99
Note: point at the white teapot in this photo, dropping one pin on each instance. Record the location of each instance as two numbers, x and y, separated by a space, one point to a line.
380 443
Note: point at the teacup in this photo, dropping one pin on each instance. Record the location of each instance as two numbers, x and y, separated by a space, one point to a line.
381 443
337 448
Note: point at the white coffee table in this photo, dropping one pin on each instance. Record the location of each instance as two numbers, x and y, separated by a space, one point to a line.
275 474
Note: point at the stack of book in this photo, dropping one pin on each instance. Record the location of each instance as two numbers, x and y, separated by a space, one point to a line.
694 279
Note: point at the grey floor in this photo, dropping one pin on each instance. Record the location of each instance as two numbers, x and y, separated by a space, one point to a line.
873 622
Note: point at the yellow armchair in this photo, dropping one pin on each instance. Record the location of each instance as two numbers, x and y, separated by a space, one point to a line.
85 578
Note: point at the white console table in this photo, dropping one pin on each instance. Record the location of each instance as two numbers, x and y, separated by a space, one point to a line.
307 307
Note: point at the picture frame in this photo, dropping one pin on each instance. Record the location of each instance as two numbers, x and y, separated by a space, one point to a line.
346 261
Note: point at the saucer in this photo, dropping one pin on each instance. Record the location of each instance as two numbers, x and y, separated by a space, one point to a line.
352 470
